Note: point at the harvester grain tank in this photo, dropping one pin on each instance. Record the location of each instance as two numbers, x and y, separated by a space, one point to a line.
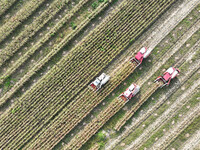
100 81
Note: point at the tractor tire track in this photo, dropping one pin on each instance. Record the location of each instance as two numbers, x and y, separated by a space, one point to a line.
164 141
192 142
139 120
168 114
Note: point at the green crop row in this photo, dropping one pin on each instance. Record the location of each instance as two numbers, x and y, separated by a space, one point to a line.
19 17
60 93
72 123
91 128
26 34
5 5
79 108
132 111
25 57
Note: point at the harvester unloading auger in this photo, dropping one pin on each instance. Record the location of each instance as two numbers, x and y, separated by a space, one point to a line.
103 78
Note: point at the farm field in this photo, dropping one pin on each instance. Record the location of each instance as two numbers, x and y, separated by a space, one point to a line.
52 51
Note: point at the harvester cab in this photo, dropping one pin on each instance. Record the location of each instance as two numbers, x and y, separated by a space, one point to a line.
143 53
130 92
99 81
171 73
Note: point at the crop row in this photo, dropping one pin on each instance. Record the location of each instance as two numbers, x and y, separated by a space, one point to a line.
28 32
170 136
109 114
77 110
71 111
93 15
142 119
131 112
90 129
55 69
19 17
95 147
37 66
174 116
5 5
112 53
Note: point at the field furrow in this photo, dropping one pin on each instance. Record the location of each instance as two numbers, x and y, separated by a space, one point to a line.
192 142
95 147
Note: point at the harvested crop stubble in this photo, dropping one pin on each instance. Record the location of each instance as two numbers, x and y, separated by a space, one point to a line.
163 142
28 32
68 71
18 18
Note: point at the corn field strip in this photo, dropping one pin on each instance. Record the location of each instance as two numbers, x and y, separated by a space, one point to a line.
75 109
19 17
5 5
169 113
142 118
149 112
96 124
119 44
173 133
44 60
80 136
45 144
165 57
30 30
192 142
95 147
50 55
91 128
